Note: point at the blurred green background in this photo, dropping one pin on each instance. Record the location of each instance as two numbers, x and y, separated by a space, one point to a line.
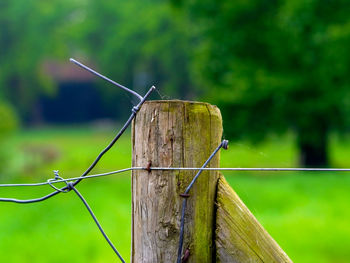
278 70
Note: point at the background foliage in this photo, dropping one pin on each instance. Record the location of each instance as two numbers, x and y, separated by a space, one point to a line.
271 66
8 125
277 65
278 70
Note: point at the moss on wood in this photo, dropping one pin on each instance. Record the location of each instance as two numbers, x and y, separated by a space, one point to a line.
239 236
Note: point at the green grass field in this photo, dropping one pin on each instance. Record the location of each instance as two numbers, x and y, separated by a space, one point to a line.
307 213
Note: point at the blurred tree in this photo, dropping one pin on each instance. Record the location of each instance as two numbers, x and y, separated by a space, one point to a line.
8 125
276 65
9 121
30 31
139 43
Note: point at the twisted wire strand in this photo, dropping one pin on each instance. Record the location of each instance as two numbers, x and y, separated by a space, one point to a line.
73 178
70 185
135 109
180 169
105 78
185 195
72 182
278 169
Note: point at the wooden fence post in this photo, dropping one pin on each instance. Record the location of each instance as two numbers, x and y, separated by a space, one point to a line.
219 227
174 134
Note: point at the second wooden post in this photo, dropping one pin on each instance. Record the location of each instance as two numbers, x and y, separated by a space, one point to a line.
174 134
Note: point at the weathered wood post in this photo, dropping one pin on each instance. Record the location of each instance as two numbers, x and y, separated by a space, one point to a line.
219 227
174 134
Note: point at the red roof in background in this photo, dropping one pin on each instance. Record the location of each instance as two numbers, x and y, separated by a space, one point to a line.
66 71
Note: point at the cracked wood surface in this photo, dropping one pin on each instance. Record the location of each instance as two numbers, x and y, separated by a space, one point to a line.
239 236
174 134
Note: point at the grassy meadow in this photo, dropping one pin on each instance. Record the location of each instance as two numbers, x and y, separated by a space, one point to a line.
307 213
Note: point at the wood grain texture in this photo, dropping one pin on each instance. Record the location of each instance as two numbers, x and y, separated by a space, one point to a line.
239 236
174 134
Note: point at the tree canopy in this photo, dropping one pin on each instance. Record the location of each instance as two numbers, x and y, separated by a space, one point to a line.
277 65
30 31
271 66
137 43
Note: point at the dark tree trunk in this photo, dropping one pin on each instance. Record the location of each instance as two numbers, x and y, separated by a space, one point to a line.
313 148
